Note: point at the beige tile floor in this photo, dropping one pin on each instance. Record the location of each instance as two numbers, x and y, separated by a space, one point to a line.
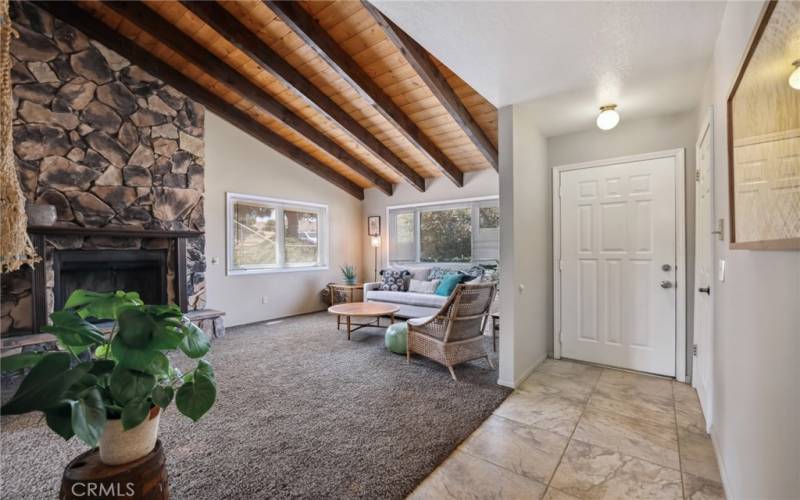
575 431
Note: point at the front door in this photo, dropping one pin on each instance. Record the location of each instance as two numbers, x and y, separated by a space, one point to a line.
704 274
618 257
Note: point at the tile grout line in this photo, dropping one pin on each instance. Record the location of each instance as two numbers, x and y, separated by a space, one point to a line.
577 422
678 440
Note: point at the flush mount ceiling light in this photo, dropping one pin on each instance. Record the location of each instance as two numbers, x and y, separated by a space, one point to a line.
794 78
608 117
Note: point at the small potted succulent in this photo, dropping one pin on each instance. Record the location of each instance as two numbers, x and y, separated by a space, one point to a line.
111 390
349 274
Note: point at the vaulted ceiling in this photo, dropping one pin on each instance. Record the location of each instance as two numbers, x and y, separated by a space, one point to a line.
565 59
335 86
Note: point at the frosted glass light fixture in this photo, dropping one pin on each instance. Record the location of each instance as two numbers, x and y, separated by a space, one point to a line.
794 78
608 117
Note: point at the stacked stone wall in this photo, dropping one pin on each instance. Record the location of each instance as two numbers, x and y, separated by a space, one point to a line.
105 143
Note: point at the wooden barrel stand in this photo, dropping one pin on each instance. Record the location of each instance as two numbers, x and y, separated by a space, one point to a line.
87 477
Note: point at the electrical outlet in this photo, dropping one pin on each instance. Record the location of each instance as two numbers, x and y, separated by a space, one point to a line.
264 299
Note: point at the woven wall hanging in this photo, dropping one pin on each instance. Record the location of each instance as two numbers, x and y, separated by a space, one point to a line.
16 249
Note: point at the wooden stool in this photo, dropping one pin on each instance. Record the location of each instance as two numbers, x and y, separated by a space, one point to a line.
87 477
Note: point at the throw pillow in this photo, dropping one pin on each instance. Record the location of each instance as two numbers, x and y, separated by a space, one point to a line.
465 277
420 286
448 284
475 271
438 273
394 280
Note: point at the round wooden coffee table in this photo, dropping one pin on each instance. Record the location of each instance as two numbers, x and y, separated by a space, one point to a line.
363 309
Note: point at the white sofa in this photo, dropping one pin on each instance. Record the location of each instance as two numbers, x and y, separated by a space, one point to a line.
412 305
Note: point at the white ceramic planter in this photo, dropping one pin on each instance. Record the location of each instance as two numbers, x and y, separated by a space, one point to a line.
118 446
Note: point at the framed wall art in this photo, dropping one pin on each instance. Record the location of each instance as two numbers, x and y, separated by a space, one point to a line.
374 225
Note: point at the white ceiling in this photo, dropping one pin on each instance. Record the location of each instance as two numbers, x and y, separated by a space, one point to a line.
569 58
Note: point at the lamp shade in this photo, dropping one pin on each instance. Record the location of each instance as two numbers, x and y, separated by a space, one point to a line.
375 241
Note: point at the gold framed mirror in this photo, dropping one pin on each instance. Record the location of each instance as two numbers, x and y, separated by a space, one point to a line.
764 135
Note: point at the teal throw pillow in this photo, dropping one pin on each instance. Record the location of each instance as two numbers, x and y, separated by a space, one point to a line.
448 284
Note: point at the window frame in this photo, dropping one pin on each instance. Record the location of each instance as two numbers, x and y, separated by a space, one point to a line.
280 228
418 208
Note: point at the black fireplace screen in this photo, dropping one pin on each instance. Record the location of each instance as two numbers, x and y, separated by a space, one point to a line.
142 271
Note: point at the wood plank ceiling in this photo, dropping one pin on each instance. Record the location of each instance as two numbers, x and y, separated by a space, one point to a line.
335 86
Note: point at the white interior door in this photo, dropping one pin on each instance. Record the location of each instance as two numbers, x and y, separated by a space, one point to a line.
702 370
618 264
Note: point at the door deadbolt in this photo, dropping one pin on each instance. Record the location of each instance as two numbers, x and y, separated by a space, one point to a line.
666 284
666 267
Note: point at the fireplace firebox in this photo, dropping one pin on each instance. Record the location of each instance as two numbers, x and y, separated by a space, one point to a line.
142 271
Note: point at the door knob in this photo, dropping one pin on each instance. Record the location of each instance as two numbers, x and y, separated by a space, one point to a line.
706 290
666 284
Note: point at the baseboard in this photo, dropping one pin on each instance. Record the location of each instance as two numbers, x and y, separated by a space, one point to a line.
505 383
278 318
721 465
524 375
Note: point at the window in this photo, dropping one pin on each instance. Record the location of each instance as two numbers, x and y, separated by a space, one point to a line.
445 235
269 235
489 218
466 231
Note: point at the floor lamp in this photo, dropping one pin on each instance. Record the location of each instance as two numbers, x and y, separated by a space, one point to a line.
376 244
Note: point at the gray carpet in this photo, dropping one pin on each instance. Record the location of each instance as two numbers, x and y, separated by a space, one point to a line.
301 412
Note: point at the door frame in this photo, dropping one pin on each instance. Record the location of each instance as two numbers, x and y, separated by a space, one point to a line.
681 272
707 129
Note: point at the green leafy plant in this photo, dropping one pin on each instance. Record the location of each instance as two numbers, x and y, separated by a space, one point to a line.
94 378
349 272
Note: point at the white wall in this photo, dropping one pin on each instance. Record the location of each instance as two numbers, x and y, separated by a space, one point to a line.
235 162
526 284
476 184
630 137
756 427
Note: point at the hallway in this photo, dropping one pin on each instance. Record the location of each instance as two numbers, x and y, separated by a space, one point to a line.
575 431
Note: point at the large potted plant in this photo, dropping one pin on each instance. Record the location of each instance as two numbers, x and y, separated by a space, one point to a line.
110 390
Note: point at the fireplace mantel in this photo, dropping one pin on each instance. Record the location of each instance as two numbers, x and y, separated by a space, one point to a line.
112 231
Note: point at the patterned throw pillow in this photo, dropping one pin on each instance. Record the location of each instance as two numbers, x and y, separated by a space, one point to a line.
473 272
394 280
438 273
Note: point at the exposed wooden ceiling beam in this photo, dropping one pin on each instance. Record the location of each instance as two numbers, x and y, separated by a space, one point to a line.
308 29
226 24
171 36
418 57
95 29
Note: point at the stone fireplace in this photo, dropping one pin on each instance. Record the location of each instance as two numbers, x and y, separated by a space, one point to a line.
120 155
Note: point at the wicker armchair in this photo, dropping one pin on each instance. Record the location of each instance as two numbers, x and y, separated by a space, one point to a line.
455 333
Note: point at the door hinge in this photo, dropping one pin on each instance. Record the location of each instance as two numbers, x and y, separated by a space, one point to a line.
697 175
694 349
